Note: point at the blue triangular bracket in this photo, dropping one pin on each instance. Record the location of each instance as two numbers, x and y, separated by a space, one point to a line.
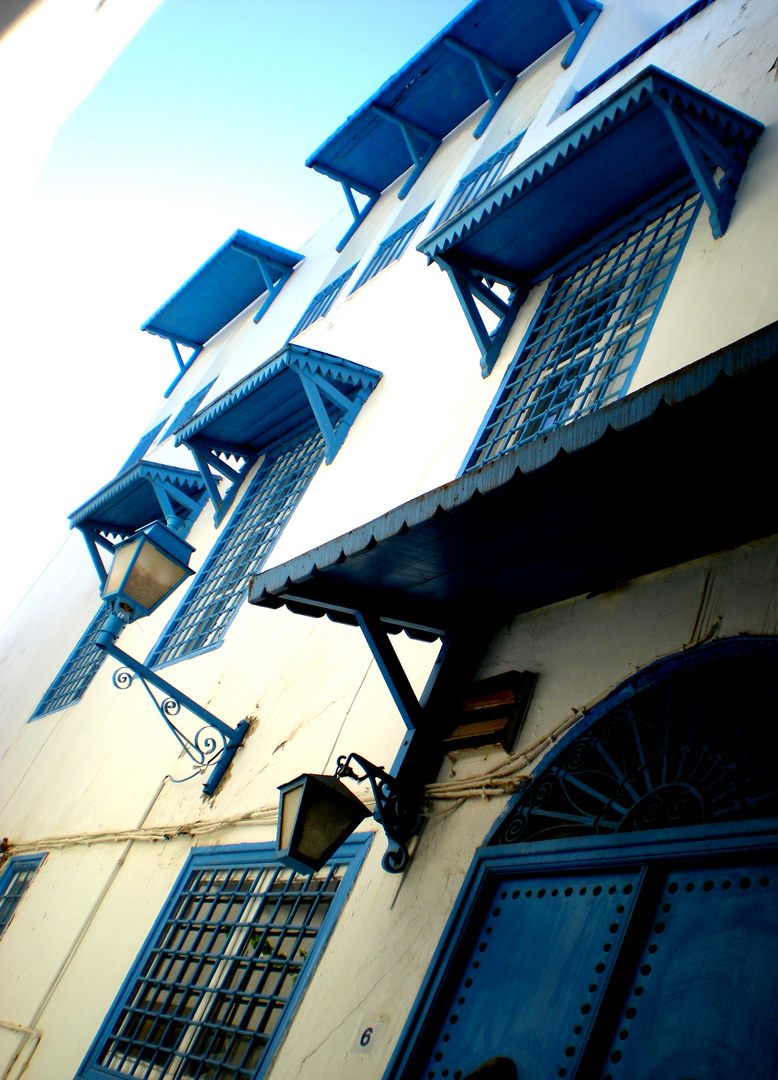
580 29
94 539
469 286
704 154
485 68
206 456
349 187
183 365
315 386
411 133
167 495
358 215
272 285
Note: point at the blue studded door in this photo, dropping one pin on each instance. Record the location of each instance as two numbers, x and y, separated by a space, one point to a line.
650 973
621 923
532 987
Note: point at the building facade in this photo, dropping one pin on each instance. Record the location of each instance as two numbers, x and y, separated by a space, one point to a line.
472 496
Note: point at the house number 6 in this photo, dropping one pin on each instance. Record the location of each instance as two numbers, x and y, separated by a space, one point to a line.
366 1036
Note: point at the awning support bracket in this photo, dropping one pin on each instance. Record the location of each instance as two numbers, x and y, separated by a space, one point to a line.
93 538
166 495
485 67
183 365
703 153
389 665
207 459
315 386
273 285
470 286
425 717
411 132
580 29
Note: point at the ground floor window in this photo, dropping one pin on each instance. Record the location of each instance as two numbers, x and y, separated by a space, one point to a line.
15 879
214 983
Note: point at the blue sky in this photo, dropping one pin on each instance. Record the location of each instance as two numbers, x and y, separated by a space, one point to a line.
201 125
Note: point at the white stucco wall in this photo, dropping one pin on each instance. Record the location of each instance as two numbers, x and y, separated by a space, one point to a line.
93 784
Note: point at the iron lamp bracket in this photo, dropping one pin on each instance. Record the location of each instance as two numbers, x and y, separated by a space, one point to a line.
397 810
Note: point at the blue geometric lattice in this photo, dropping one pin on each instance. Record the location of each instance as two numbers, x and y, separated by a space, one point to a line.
213 984
218 589
588 335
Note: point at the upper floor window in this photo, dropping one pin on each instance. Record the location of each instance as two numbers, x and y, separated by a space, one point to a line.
76 673
389 250
588 335
143 445
322 302
14 882
217 590
478 181
213 986
641 49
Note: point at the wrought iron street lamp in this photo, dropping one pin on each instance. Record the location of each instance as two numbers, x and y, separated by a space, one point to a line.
146 569
317 813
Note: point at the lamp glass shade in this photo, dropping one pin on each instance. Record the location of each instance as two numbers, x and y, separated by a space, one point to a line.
315 815
145 570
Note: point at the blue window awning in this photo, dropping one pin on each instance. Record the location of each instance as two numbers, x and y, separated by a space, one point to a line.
288 395
474 59
564 515
143 493
652 135
240 272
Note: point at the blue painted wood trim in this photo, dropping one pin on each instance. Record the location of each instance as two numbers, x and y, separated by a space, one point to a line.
419 158
505 380
580 30
92 539
483 65
467 288
496 101
201 460
197 349
273 289
353 228
719 197
319 410
658 305
389 665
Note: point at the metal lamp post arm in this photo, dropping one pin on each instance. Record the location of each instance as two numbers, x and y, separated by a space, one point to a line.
233 737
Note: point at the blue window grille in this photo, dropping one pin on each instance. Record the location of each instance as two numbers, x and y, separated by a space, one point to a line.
218 588
643 47
142 446
322 302
189 408
76 673
14 882
588 334
389 250
479 180
222 969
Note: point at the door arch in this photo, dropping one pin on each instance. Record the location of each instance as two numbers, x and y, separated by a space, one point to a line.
622 921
